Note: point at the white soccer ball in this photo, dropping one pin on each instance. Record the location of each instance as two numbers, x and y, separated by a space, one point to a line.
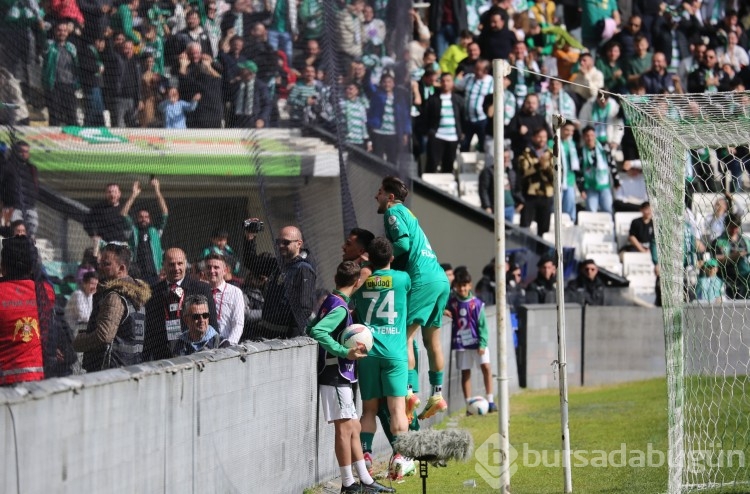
356 333
478 405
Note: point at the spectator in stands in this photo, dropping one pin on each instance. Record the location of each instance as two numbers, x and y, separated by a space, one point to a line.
122 78
351 33
445 114
496 40
126 19
571 166
389 120
240 19
537 176
21 345
199 335
523 80
92 79
304 95
466 66
658 80
311 17
262 53
641 234
599 174
640 62
230 303
283 28
485 287
604 114
290 297
632 192
610 65
710 287
104 222
78 310
588 80
690 63
114 335
557 101
250 98
455 53
220 246
144 236
175 109
19 183
152 88
587 288
448 18
626 37
714 225
522 126
60 77
708 77
15 229
542 289
164 322
312 56
731 250
733 53
194 33
354 111
594 15
476 86
199 75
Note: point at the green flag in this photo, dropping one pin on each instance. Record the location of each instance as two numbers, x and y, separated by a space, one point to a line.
93 135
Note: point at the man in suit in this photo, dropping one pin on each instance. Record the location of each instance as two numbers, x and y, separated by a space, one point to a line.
251 101
164 322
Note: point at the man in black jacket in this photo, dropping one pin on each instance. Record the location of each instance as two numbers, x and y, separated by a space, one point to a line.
164 322
444 112
543 289
19 183
587 288
104 223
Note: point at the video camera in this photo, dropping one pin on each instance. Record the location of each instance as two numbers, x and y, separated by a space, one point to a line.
253 225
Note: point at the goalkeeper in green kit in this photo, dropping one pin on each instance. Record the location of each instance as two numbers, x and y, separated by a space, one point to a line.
429 292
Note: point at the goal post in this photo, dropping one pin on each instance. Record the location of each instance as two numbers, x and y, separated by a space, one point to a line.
694 150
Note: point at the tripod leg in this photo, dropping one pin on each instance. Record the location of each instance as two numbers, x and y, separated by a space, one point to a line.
423 465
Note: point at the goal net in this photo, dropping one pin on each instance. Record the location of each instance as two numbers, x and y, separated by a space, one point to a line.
694 151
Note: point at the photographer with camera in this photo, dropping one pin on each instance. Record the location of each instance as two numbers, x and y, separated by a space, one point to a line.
290 293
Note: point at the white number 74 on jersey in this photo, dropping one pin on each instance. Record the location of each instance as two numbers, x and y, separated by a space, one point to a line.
384 311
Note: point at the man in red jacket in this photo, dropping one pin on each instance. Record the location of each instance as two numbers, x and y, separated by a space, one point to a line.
21 332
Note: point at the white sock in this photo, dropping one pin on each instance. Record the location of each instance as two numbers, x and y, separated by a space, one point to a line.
347 477
362 473
490 397
437 390
468 400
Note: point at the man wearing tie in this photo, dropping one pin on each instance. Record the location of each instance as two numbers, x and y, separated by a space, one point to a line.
251 100
164 322
230 303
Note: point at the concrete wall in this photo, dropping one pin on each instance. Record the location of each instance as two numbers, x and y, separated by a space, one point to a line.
238 420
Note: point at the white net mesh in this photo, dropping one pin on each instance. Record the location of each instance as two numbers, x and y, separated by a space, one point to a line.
695 157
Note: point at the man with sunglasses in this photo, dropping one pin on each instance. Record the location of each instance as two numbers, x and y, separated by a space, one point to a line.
290 292
114 335
200 335
587 288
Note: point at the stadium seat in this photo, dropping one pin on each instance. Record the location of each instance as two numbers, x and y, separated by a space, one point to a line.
623 220
443 181
585 217
637 263
610 262
467 162
599 248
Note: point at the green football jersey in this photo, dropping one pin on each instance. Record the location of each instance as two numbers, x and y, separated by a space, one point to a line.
381 304
409 242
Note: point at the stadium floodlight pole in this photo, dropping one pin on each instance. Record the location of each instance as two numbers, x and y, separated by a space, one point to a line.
500 68
562 363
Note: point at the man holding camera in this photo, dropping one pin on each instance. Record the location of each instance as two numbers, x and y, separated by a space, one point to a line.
290 292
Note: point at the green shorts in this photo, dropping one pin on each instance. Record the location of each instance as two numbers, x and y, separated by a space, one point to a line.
427 303
379 377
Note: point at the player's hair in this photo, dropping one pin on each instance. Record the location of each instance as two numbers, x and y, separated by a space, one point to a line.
347 274
364 237
380 252
463 277
394 185
122 253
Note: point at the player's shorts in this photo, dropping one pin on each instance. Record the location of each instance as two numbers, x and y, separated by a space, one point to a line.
470 359
427 303
337 402
380 377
